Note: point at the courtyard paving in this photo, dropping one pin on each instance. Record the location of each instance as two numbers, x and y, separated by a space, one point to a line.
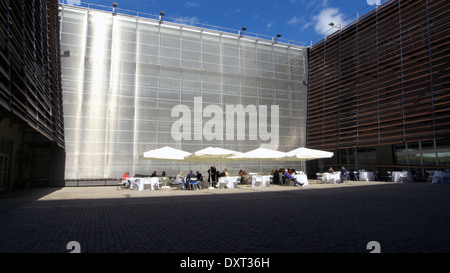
318 218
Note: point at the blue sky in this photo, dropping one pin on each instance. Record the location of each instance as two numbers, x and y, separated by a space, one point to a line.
299 20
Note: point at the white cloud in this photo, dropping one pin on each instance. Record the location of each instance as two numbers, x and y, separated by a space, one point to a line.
316 4
192 4
323 19
294 20
306 25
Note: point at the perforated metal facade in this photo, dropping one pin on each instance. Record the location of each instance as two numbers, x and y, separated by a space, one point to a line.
132 84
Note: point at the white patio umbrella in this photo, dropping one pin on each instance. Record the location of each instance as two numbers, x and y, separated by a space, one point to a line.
304 154
260 154
211 154
165 153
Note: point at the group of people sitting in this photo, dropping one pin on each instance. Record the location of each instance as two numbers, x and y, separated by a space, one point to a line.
127 181
185 182
155 174
344 173
285 177
282 176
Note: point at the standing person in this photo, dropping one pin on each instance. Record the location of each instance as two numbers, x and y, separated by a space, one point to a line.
180 179
344 174
212 177
199 179
276 177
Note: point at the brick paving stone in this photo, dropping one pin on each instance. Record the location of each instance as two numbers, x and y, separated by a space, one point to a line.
319 218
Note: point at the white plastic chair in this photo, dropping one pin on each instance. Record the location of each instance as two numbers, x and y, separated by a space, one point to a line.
430 176
258 182
437 178
389 176
319 178
403 177
122 183
356 174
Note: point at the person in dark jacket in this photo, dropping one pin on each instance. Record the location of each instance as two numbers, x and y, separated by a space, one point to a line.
276 177
344 174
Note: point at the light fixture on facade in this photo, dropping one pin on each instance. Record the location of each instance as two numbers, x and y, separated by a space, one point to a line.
242 31
114 4
161 15
274 41
332 25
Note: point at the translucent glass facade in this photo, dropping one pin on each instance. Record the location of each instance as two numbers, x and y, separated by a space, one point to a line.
132 84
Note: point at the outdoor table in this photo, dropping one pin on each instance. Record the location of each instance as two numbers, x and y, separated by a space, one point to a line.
441 177
229 181
397 176
366 176
152 181
265 180
133 181
331 177
302 178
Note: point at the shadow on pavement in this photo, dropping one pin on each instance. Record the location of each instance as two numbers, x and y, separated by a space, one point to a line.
400 217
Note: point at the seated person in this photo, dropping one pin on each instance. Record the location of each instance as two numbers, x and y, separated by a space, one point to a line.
241 177
180 179
154 174
190 176
246 179
293 179
126 179
330 170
